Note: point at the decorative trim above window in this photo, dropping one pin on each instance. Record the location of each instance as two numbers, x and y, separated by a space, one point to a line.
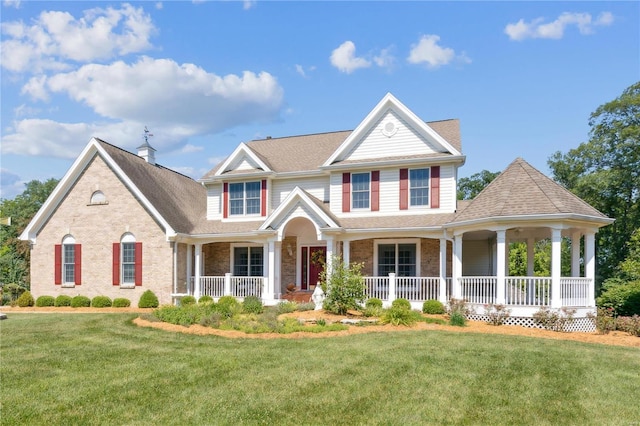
98 199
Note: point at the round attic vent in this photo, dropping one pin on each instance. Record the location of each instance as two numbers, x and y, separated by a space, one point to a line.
389 129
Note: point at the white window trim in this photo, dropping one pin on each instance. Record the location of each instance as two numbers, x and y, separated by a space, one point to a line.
418 207
359 209
241 245
244 200
415 241
67 240
126 238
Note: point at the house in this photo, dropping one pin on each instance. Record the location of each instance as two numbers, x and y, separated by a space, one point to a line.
383 194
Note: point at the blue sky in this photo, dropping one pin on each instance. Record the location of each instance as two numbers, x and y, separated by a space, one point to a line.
522 77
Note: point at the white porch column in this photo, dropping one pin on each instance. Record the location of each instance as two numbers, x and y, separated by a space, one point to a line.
590 264
575 254
442 293
501 266
227 283
277 266
392 286
270 268
556 258
189 268
330 251
196 290
346 252
531 250
456 290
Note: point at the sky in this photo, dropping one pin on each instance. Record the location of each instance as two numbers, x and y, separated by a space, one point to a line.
204 76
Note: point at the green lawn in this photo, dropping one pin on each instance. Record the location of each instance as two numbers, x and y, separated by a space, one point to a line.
100 369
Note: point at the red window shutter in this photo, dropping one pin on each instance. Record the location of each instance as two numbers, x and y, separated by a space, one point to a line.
404 189
225 200
138 264
346 192
263 198
435 187
116 264
375 190
78 264
57 273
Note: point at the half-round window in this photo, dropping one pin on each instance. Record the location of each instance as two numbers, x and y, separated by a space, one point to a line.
98 197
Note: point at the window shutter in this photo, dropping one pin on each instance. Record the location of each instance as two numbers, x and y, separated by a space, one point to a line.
263 198
57 273
138 264
225 200
435 187
116 264
375 190
404 189
346 192
78 264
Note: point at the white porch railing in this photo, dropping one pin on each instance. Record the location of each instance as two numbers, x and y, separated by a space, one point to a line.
212 286
246 286
218 286
528 291
480 290
575 291
414 289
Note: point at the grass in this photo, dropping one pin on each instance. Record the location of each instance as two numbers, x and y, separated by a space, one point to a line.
100 369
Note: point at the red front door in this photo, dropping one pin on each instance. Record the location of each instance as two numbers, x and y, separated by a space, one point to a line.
316 261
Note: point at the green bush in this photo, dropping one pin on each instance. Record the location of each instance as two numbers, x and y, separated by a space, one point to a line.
25 299
629 324
496 314
228 306
252 305
80 302
286 307
373 302
148 299
187 300
205 299
433 307
306 306
457 319
63 300
400 315
401 303
460 306
121 302
184 315
344 286
101 302
45 301
553 319
623 298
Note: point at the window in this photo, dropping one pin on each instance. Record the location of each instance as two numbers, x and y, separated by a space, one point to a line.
360 184
244 198
419 187
127 262
67 262
399 258
98 197
248 261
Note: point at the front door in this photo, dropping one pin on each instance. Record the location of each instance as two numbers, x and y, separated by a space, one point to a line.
316 260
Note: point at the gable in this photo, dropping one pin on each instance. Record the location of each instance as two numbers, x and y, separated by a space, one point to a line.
392 136
241 160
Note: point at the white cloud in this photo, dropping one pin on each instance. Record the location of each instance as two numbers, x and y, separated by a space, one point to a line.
248 4
10 184
56 38
159 5
11 3
344 58
536 28
428 51
216 160
302 71
188 148
385 59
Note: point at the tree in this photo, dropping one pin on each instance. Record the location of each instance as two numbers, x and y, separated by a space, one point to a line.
605 172
14 253
343 285
469 188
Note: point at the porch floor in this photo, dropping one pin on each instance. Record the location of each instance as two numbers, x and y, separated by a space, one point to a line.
299 296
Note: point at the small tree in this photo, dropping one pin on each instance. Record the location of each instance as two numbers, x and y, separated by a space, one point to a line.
343 285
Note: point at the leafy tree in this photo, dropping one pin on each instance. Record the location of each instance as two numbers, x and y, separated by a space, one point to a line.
344 286
469 188
605 172
14 253
629 268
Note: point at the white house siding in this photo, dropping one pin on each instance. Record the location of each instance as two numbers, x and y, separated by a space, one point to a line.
243 163
405 141
477 258
316 186
214 195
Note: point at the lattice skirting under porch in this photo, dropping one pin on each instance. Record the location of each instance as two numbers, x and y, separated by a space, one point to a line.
577 324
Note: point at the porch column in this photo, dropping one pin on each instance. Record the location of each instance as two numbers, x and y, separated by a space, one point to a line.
501 265
556 258
189 268
346 252
531 250
196 290
442 293
269 249
277 265
575 254
590 264
330 251
456 290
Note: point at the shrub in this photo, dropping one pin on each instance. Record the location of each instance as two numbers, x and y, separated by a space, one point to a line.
205 299
80 302
629 324
433 307
187 300
286 307
101 302
344 286
604 320
459 306
252 305
401 303
63 300
623 298
554 320
373 302
496 314
121 302
400 315
184 315
25 299
373 307
148 299
228 306
45 301
457 319
306 306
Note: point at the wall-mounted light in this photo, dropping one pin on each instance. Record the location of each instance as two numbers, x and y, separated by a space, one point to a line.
289 250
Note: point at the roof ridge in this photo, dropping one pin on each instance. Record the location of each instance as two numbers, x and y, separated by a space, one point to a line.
269 138
537 183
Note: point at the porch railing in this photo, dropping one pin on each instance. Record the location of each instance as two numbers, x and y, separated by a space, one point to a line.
478 289
227 285
528 291
575 291
414 289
